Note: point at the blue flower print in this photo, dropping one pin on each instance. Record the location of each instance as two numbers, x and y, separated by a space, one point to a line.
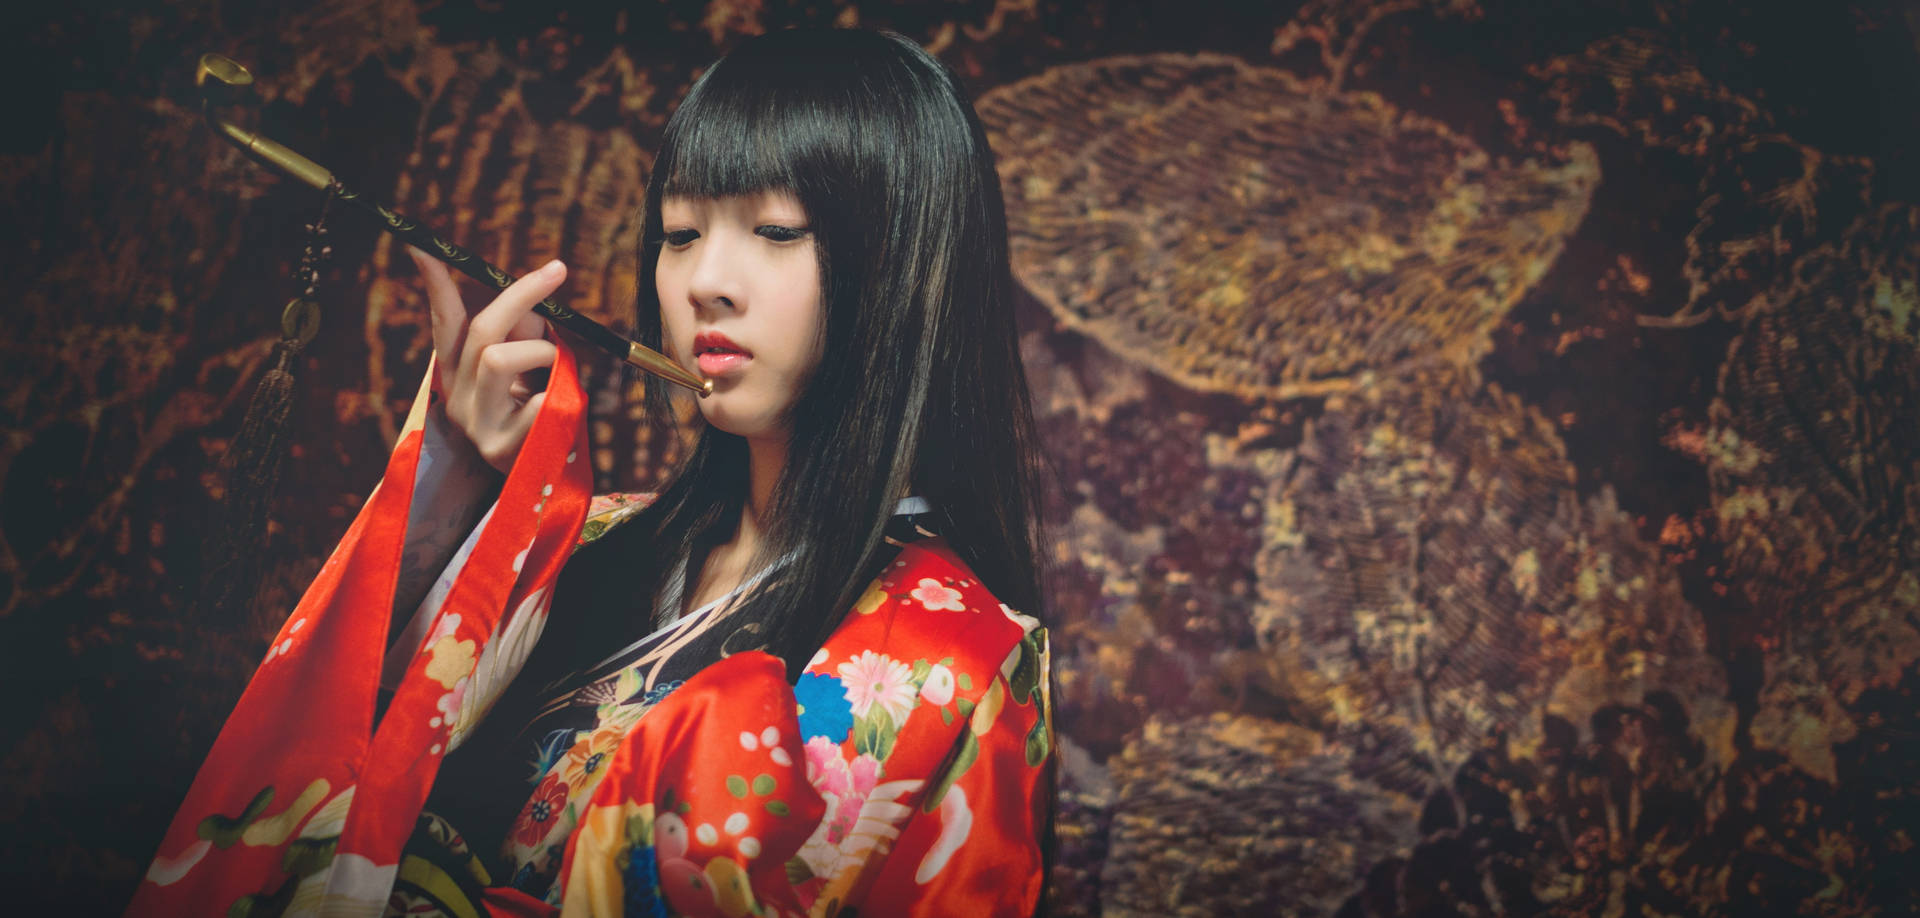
824 709
642 877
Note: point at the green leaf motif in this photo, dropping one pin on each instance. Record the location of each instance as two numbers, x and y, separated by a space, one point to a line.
307 856
1026 673
920 670
737 786
965 705
762 785
639 829
969 751
966 681
223 831
874 734
1037 744
798 872
946 716
778 808
863 736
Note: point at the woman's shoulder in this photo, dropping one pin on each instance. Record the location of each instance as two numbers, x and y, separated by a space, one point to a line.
927 666
924 564
927 593
606 511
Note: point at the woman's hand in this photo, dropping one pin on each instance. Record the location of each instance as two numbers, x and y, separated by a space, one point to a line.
484 357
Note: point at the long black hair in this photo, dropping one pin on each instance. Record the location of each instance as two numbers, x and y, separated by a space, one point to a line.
921 389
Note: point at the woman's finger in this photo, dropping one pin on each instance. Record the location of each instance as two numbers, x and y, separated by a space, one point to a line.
445 311
501 445
491 325
443 299
499 368
503 363
533 326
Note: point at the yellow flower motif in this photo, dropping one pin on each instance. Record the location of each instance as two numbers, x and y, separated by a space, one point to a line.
586 762
732 891
452 661
869 602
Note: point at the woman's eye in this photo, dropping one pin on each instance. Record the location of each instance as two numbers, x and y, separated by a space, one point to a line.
779 233
678 238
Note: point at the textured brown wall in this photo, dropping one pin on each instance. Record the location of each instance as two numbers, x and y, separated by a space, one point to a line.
1487 440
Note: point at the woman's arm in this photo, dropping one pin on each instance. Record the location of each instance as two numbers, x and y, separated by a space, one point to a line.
973 846
453 491
452 487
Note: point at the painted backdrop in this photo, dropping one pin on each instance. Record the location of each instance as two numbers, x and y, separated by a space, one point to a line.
1486 431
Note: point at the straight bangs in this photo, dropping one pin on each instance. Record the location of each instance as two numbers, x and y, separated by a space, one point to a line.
730 143
768 122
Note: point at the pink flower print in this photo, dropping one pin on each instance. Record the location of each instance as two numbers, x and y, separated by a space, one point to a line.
842 784
936 597
865 772
450 702
874 678
826 770
938 689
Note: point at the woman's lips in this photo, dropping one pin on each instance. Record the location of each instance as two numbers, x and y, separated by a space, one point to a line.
719 363
717 355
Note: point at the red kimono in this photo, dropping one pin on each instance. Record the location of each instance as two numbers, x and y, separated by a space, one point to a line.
902 775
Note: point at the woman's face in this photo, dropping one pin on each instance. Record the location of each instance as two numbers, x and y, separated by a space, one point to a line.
740 303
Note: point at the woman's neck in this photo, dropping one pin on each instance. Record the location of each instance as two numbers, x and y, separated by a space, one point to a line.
766 461
723 567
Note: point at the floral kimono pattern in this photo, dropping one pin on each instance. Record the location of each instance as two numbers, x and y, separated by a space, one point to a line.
903 775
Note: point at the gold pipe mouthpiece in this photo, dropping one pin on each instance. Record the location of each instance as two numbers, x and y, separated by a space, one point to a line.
657 363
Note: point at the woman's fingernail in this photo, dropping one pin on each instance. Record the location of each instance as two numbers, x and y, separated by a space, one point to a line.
552 267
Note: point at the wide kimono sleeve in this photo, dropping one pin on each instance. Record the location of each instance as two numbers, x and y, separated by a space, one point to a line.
306 801
903 775
972 849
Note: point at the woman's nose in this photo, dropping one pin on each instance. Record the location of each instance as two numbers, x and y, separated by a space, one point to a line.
714 283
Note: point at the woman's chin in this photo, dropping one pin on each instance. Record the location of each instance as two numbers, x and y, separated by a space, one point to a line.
738 420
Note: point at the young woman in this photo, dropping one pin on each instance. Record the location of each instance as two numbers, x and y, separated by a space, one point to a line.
793 682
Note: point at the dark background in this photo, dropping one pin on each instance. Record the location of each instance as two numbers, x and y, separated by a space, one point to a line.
1485 432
